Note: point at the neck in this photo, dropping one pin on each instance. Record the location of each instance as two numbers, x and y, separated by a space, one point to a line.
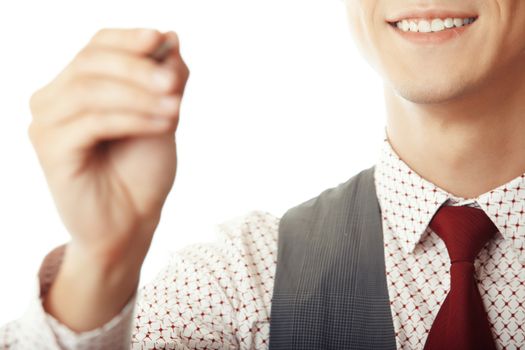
467 146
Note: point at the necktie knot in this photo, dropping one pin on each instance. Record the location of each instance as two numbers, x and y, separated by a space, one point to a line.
465 230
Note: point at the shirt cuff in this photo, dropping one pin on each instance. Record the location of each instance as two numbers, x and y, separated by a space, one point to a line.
115 334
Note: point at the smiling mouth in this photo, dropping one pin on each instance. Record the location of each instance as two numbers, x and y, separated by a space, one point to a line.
431 25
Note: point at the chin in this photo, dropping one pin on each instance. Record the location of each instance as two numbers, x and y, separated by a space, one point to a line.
430 91
425 94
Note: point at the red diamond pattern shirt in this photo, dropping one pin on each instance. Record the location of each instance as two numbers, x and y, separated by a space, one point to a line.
217 295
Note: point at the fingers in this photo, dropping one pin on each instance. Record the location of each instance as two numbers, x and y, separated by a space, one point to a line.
174 42
134 40
169 76
96 93
89 129
169 45
175 59
96 61
110 90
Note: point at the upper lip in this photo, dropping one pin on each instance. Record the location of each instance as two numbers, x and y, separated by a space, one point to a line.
429 13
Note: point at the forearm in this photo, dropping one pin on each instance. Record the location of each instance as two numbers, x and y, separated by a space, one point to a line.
88 293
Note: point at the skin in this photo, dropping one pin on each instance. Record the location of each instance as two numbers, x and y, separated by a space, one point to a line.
455 110
454 115
109 165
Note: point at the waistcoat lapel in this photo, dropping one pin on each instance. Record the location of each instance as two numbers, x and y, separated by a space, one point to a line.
330 289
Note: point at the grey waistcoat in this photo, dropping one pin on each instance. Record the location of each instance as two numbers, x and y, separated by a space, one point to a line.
330 288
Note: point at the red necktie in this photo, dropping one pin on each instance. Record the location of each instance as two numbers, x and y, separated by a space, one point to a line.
461 323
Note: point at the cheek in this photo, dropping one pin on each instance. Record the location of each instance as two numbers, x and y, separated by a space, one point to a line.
355 26
518 32
505 29
360 30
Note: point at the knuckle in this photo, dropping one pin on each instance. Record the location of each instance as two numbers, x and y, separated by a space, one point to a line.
144 39
83 85
172 79
33 102
174 116
146 32
31 133
172 126
182 68
100 33
76 65
180 75
84 58
35 135
38 103
80 88
185 68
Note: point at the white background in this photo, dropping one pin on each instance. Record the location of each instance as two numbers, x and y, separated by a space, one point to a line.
279 106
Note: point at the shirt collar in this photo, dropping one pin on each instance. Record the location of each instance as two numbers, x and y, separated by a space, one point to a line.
408 202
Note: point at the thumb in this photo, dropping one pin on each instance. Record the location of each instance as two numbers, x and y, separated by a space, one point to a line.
173 47
167 47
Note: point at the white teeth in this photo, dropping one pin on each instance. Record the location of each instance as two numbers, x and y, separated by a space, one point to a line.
404 25
424 26
435 25
458 22
449 22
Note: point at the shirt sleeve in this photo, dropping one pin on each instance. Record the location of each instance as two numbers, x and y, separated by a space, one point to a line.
37 329
212 295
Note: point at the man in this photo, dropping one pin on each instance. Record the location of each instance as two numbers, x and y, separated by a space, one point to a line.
425 250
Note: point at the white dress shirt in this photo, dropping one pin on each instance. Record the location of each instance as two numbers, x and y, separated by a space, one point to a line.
217 295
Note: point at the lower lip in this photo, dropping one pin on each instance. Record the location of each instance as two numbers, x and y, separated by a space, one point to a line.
433 37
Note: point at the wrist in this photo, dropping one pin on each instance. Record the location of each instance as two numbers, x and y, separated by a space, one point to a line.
88 292
123 251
